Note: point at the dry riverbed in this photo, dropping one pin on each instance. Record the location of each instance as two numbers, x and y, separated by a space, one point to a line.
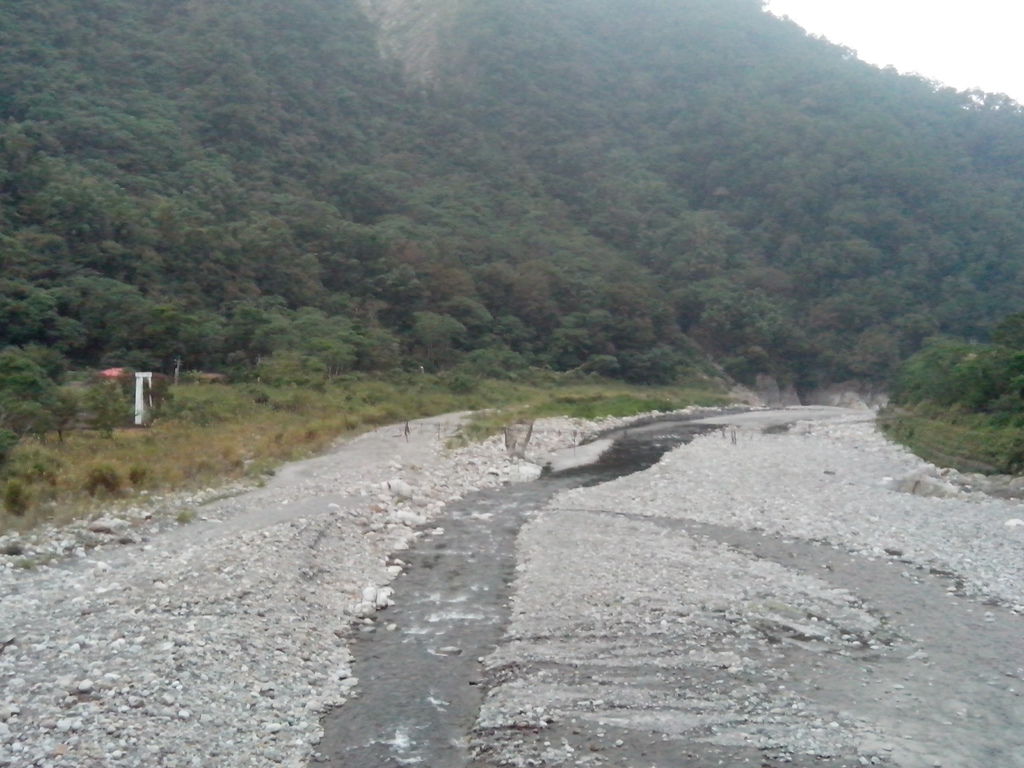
137 640
754 598
764 599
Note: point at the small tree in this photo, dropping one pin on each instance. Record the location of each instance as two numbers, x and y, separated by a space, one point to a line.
25 417
1010 331
106 407
437 334
26 394
64 411
288 367
22 378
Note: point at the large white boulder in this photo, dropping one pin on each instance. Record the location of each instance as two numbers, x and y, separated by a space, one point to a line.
925 484
524 472
399 488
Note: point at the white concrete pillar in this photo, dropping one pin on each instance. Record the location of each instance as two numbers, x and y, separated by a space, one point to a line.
142 382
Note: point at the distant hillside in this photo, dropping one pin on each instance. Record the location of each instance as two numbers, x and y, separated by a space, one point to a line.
332 185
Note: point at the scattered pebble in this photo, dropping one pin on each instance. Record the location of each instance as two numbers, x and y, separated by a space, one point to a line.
165 633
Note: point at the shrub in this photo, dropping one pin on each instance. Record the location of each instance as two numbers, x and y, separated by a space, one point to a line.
16 497
185 516
204 405
461 383
7 442
202 413
495 363
289 367
138 474
103 477
602 365
293 400
259 395
35 464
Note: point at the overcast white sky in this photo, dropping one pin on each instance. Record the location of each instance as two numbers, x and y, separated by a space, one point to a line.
963 43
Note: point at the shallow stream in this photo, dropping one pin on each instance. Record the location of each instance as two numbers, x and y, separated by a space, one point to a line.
419 686
943 690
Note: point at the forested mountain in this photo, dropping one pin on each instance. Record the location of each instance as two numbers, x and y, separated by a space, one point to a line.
623 185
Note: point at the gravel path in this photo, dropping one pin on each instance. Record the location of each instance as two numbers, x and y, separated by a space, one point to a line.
768 600
138 641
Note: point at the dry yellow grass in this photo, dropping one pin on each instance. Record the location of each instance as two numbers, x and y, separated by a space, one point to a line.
210 435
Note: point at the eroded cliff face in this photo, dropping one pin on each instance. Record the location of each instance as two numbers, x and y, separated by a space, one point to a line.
412 31
856 394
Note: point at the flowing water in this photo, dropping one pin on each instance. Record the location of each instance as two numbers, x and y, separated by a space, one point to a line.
947 694
419 680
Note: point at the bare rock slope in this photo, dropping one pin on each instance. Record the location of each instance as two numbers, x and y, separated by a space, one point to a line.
412 31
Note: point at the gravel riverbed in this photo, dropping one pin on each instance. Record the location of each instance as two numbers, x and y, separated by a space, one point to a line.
753 598
137 640
764 598
833 481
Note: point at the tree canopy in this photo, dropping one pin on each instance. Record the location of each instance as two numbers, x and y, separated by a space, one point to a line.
598 184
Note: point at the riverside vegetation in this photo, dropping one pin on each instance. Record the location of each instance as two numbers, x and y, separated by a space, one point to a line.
616 185
623 188
962 405
210 434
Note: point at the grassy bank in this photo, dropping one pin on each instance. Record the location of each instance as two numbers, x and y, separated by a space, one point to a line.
970 442
208 435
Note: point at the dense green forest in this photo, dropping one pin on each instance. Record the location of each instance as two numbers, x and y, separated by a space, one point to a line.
622 187
979 378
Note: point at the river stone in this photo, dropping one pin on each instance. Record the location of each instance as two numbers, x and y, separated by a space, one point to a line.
408 517
400 488
383 597
207 615
364 610
524 472
925 484
111 526
378 597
